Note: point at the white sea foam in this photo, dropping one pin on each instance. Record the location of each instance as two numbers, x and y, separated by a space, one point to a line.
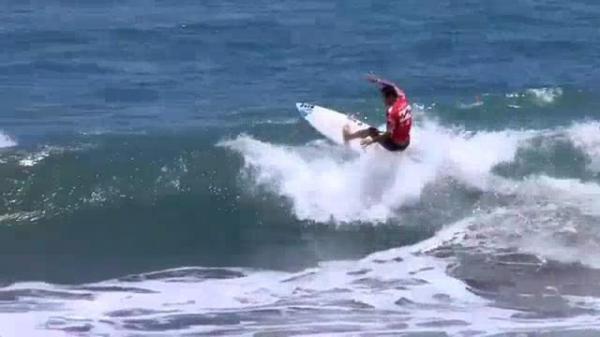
538 96
33 159
549 217
325 182
544 96
6 141
586 137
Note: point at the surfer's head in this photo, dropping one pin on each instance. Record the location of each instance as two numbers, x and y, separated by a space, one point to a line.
389 95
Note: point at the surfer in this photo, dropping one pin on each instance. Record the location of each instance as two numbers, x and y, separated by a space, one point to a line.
398 116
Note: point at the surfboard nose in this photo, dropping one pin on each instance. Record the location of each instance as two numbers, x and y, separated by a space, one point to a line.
304 108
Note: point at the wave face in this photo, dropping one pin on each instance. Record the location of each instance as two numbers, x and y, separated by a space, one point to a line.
155 178
271 237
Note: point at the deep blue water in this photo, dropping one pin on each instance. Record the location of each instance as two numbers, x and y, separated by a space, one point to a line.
73 66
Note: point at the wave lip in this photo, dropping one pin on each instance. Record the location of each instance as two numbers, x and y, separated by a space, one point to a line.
6 141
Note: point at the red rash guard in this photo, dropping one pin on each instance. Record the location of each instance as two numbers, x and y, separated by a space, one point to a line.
399 120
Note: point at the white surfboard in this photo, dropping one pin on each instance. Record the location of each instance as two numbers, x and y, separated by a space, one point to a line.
330 123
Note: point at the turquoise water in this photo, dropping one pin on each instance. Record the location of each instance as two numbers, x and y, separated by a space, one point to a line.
139 137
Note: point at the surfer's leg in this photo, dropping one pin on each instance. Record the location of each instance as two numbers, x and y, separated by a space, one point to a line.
389 144
364 133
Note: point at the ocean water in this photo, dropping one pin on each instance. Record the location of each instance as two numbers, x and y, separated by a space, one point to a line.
156 179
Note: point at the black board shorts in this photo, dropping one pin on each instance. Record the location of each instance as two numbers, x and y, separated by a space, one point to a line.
388 143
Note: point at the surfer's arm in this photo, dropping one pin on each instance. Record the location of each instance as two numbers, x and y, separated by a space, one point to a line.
382 136
375 139
383 83
392 124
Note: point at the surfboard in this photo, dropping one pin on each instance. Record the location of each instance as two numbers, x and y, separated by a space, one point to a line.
330 123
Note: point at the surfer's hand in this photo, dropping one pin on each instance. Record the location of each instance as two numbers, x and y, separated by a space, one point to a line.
373 79
365 142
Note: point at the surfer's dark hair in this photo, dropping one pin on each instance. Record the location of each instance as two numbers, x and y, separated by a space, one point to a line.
389 91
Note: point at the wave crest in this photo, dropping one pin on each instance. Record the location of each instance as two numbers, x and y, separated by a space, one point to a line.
325 182
6 141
